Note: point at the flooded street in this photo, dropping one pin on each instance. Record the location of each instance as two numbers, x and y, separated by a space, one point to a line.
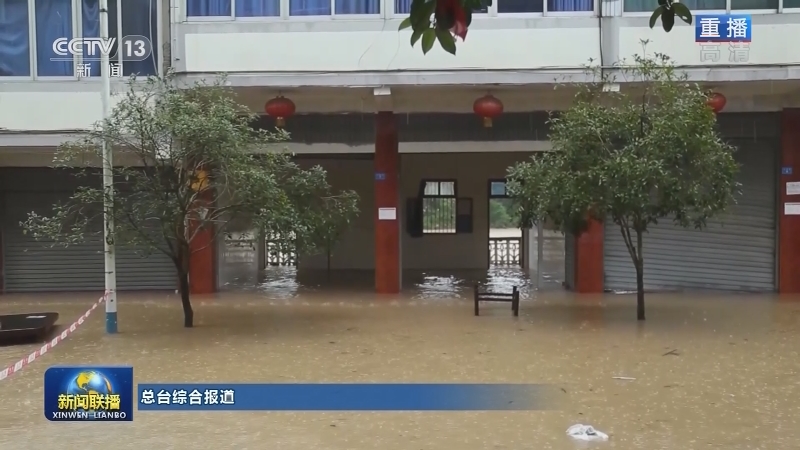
710 371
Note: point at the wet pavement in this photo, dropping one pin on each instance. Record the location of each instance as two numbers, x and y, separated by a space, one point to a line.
710 371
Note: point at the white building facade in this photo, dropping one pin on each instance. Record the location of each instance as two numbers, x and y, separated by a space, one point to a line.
398 126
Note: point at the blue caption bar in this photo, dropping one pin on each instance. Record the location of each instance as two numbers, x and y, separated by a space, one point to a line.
723 28
341 397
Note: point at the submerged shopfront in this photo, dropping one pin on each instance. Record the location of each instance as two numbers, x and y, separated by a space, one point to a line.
427 182
742 250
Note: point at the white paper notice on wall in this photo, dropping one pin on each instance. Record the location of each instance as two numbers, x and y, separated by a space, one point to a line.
387 213
791 209
793 188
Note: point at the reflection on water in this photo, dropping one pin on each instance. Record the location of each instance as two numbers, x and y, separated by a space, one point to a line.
710 372
289 282
239 271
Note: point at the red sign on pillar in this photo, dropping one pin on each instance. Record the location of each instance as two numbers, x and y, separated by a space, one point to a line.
789 221
387 199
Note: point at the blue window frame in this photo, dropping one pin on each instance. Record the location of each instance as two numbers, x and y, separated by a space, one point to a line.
272 8
694 5
50 20
537 6
357 6
15 45
404 7
53 21
208 8
140 17
258 8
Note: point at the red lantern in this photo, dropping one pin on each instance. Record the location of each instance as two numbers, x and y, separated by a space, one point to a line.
716 101
488 107
280 108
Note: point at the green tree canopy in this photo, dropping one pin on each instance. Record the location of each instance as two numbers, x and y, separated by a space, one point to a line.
193 162
503 213
638 156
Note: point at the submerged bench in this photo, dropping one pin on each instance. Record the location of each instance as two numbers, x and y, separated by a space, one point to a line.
21 327
486 296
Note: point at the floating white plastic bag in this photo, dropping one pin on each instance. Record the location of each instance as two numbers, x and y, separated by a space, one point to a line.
586 433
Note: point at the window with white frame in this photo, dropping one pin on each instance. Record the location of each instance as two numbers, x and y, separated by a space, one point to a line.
272 8
404 7
439 207
752 5
537 6
710 5
23 54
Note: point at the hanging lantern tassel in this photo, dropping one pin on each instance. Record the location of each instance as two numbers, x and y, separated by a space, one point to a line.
716 102
488 107
280 108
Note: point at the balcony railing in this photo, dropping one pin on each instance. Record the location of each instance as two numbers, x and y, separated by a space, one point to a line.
281 252
505 252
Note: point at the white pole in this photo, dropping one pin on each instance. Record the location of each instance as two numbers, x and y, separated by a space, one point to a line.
539 254
108 186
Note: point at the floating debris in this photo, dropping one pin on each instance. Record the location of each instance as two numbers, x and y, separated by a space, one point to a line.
586 433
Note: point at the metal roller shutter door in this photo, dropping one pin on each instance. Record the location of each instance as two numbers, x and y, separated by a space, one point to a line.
735 253
35 266
154 272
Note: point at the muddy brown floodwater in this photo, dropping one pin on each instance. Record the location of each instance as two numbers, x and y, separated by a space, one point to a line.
711 372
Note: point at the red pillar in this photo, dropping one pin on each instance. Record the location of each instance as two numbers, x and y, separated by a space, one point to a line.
589 277
387 196
789 225
2 271
202 259
202 273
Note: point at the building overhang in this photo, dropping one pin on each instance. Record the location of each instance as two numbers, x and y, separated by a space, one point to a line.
29 140
717 74
44 145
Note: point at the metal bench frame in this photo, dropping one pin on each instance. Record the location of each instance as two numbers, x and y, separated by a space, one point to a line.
485 296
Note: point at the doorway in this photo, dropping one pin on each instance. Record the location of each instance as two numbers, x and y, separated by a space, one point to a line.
506 241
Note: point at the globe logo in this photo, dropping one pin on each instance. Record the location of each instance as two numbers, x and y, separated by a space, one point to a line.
90 383
89 394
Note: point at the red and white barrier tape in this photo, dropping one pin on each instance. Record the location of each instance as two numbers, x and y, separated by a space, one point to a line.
14 368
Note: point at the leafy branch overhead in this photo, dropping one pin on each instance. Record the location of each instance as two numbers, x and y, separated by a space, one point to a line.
445 20
667 10
441 20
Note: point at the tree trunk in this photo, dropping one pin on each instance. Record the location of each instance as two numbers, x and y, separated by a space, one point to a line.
639 277
182 264
329 262
188 313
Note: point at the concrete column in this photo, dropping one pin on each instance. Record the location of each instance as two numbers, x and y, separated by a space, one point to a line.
789 225
530 250
539 254
387 205
261 251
